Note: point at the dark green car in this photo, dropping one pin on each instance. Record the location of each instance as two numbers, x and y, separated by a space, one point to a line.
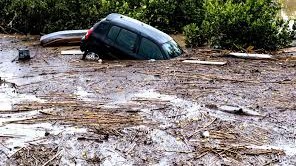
121 37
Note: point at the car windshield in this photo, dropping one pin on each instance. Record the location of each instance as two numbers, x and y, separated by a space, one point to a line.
172 49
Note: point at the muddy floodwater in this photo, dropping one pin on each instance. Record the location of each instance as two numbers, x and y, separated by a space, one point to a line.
59 110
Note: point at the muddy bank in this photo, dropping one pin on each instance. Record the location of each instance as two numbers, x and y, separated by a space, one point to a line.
62 110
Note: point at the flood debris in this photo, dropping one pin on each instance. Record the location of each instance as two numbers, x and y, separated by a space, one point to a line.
205 62
91 113
61 38
84 117
35 155
72 52
251 56
239 110
2 81
237 152
24 54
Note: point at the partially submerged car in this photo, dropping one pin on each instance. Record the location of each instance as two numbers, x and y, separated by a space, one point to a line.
121 37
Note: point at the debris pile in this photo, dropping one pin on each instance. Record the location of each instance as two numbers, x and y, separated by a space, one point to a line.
35 155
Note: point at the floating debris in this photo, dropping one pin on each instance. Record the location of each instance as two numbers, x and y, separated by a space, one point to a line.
72 52
205 62
239 110
24 54
251 56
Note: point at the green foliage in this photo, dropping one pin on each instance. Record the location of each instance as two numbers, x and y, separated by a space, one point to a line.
31 11
231 24
192 11
194 36
34 16
238 24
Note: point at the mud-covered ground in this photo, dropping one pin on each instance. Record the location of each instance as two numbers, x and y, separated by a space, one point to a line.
59 110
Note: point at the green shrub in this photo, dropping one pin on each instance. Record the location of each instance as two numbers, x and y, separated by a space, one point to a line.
194 36
242 23
28 15
35 16
191 12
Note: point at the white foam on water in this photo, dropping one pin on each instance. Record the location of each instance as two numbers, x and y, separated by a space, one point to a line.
9 97
188 109
20 135
9 117
76 152
83 94
167 142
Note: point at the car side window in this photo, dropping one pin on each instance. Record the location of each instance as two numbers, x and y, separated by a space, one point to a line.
113 33
149 50
127 39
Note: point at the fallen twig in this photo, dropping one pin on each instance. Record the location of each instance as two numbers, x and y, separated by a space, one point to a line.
89 139
46 113
201 155
207 125
271 162
54 157
16 152
10 136
130 149
175 151
251 56
205 62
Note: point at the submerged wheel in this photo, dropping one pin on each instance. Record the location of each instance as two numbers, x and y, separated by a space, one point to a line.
84 55
92 55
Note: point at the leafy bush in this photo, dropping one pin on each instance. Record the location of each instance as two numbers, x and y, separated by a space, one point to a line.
34 16
238 24
194 35
192 12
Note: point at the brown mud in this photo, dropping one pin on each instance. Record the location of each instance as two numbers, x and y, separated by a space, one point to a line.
58 109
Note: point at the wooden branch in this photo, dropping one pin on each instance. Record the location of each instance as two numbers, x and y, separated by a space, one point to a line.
54 157
251 56
205 62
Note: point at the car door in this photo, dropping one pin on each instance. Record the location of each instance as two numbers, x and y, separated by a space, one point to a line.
109 42
150 50
121 43
126 44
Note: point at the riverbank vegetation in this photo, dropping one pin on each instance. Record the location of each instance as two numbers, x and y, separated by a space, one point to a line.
239 24
34 16
231 24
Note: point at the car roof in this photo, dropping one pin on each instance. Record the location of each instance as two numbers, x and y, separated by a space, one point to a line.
144 29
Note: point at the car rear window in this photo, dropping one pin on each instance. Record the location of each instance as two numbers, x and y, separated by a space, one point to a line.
149 50
126 39
113 33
